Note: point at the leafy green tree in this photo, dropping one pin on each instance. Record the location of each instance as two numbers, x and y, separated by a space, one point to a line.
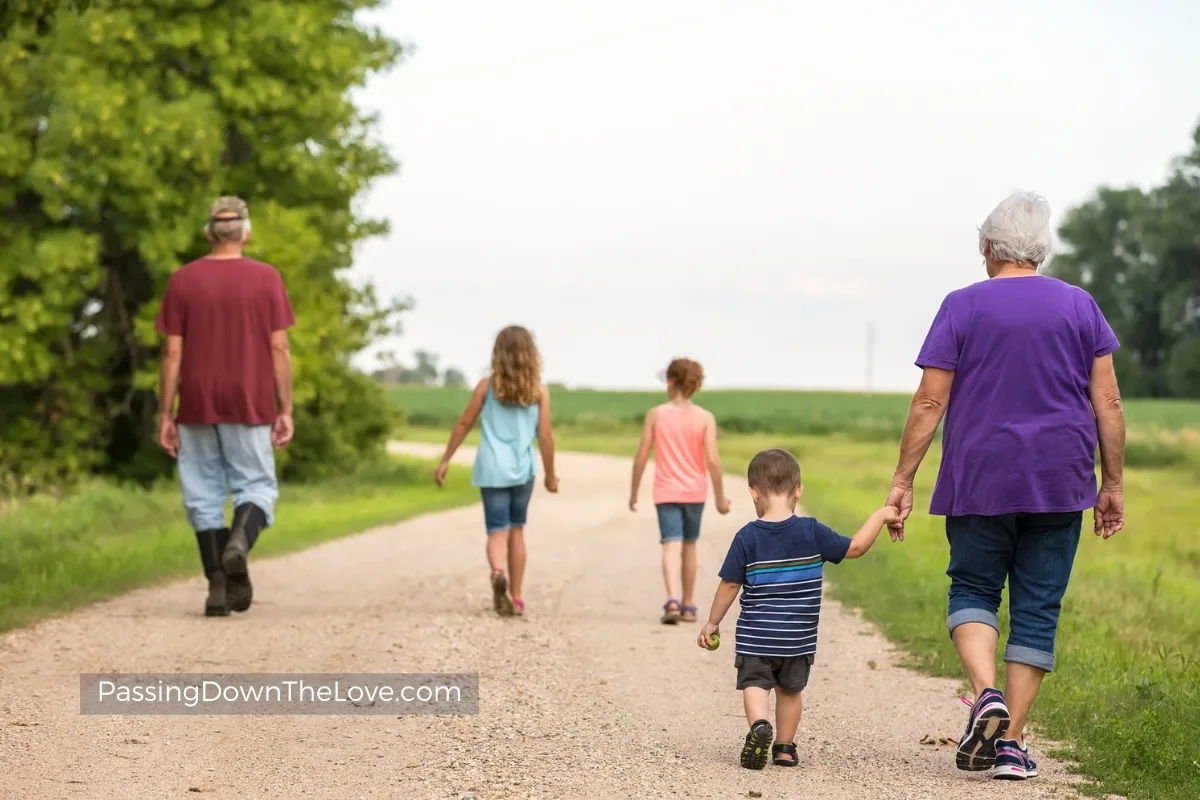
120 120
454 379
1138 253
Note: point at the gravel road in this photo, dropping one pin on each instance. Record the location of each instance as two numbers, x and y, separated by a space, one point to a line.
587 696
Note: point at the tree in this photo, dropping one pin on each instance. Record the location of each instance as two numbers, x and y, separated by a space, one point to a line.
119 122
426 371
454 379
1138 253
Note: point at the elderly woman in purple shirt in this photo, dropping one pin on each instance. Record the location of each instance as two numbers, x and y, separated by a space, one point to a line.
1020 365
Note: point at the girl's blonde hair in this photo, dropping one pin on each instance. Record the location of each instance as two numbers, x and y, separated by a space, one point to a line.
686 375
516 367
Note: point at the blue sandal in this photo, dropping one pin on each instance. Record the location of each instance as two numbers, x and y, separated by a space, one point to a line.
687 613
670 612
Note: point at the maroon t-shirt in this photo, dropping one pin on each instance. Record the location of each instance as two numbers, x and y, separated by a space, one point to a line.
225 310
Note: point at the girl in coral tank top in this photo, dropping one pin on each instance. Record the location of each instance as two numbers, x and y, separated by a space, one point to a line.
684 438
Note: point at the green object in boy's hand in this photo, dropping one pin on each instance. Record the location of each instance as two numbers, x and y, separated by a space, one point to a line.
714 641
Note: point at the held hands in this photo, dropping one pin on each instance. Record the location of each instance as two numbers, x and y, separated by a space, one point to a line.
901 499
708 630
889 515
1109 511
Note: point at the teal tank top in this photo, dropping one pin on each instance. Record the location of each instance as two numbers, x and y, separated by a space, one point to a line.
505 456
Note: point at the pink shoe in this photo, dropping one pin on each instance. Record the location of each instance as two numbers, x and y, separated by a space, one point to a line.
518 606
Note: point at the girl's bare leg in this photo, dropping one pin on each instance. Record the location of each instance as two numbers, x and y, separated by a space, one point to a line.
516 561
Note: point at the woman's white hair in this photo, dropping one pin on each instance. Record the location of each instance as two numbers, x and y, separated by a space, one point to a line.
1018 229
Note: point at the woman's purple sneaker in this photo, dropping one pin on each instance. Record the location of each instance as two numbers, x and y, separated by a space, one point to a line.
1013 762
986 725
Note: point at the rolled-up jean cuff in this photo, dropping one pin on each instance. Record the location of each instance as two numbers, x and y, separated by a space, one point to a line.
1019 654
965 615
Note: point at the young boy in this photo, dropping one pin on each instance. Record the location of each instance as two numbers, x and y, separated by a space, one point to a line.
776 561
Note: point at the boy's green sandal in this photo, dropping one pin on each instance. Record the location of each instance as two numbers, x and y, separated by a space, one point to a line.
787 748
758 744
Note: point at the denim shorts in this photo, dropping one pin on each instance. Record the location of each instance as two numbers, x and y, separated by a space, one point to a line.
1035 552
679 521
505 507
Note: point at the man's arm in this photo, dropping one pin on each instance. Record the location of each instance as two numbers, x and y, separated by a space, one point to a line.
281 358
168 383
1105 397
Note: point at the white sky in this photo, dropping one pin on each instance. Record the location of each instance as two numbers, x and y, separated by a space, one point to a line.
744 182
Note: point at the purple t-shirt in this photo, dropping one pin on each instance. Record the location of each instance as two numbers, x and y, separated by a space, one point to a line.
1020 433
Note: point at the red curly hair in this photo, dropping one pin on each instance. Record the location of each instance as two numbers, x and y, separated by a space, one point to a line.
686 376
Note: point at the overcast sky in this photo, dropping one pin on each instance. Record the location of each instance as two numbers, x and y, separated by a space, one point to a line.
749 183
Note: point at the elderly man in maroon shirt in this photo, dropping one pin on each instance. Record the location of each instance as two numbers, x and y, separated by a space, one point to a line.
226 318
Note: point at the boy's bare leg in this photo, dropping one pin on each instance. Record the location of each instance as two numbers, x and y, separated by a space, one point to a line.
516 560
788 707
671 567
497 549
758 704
689 573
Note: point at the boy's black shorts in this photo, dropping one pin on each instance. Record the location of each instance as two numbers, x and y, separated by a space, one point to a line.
773 672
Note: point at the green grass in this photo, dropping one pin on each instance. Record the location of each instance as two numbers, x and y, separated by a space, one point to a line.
1127 688
103 540
1126 693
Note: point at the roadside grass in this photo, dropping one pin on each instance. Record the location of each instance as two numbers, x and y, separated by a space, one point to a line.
1126 693
102 540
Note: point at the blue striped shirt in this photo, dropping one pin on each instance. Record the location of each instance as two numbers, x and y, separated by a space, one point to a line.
779 566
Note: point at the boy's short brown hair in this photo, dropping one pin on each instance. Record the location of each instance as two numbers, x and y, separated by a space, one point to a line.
774 472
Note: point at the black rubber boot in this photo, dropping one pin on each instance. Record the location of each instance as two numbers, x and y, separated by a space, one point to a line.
248 522
217 603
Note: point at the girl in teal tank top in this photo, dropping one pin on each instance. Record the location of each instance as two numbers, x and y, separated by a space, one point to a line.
513 407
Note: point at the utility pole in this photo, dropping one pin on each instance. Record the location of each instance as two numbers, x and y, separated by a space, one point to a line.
870 356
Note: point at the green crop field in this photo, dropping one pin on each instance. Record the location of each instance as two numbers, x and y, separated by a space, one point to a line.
755 411
1161 432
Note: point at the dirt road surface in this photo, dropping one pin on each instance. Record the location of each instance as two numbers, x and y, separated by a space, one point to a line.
587 696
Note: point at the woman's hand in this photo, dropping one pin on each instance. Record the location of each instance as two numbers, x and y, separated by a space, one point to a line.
900 498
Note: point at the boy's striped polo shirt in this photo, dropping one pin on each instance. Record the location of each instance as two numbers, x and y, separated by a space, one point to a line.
780 568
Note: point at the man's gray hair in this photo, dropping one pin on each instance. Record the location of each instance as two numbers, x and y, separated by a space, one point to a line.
1018 229
229 220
